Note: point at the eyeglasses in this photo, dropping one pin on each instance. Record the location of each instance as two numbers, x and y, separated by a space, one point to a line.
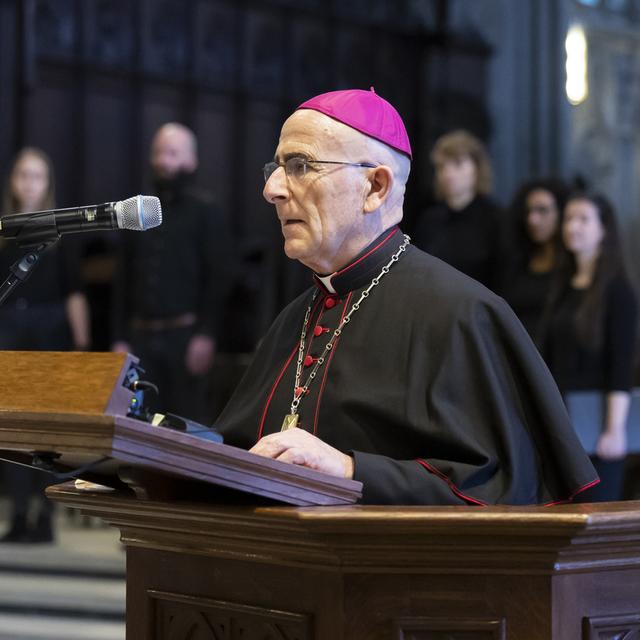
296 167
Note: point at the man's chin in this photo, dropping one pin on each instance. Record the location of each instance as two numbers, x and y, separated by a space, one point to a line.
296 249
293 250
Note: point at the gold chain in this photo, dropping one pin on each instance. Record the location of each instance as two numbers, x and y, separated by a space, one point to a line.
299 392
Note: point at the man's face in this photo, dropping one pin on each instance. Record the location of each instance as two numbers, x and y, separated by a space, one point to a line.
171 153
321 213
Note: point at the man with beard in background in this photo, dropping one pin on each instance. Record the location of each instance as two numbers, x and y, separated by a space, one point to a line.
170 283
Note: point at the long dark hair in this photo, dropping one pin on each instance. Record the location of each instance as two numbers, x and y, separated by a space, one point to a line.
589 318
522 247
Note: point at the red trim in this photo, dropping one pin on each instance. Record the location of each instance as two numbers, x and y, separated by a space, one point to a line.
277 382
273 389
326 369
593 483
452 486
459 493
366 255
310 333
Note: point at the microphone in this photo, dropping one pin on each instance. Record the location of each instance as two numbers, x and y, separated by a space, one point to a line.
136 214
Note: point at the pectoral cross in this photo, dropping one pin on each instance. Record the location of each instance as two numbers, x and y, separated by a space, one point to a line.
290 421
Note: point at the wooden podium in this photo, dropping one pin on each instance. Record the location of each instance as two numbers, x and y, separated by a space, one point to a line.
68 412
203 564
206 572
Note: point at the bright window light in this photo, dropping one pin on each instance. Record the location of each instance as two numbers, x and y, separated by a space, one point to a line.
577 86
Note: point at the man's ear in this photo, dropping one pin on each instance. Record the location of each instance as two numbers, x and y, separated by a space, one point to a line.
380 185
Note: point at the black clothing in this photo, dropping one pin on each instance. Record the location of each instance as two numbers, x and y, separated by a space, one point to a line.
576 367
162 355
433 386
166 275
34 317
469 239
38 327
609 368
179 267
611 485
526 292
52 280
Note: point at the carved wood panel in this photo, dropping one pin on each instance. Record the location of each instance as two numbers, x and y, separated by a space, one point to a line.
420 628
179 617
623 627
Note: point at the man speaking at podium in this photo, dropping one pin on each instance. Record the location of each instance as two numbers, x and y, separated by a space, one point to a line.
394 368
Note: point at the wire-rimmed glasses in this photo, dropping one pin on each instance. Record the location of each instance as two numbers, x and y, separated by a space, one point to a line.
297 166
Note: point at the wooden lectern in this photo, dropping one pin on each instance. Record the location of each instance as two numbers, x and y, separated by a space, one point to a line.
206 572
69 411
200 568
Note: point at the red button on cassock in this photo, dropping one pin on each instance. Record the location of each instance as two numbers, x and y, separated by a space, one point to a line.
308 361
318 331
329 303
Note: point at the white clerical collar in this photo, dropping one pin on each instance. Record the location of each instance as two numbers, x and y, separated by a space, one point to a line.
326 281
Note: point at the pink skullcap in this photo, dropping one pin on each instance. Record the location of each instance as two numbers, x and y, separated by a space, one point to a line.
365 111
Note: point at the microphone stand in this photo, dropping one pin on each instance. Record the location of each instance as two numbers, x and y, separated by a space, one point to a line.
21 269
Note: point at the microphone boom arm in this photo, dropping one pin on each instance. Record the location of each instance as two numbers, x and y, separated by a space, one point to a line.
21 269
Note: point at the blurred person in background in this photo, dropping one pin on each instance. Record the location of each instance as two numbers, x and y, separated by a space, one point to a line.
588 337
535 248
47 312
171 281
463 229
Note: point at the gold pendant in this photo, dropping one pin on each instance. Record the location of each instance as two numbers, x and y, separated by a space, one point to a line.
290 421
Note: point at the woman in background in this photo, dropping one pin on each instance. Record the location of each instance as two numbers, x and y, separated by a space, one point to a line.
588 337
535 248
464 228
47 312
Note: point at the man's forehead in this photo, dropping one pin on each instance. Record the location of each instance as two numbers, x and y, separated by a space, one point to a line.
173 137
312 132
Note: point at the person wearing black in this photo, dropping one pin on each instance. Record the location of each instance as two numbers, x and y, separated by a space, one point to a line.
588 337
393 368
47 312
463 229
534 250
171 282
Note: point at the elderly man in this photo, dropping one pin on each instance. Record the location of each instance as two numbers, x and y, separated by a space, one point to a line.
394 368
170 285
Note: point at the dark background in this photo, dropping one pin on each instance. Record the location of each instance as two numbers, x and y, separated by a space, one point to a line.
89 81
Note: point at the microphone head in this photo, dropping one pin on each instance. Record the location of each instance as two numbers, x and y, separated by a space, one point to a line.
139 213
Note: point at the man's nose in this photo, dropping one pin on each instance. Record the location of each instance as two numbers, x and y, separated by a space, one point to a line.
276 188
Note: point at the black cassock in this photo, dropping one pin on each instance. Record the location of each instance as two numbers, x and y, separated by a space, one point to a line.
433 386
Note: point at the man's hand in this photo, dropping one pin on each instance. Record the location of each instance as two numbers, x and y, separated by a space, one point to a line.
300 447
200 352
612 445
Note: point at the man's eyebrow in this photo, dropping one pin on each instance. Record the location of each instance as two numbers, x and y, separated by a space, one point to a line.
294 154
